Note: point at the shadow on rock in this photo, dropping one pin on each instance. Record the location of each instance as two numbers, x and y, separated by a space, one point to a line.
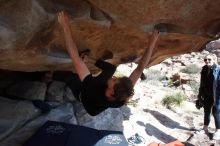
166 121
153 131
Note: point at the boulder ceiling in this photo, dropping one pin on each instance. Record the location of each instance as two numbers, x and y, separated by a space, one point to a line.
32 40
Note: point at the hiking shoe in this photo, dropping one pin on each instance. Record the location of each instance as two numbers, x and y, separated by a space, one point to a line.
202 131
216 135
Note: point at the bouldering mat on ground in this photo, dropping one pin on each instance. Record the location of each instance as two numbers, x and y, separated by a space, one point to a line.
62 134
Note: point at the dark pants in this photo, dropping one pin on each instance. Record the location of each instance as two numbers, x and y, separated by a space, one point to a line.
216 114
210 108
208 105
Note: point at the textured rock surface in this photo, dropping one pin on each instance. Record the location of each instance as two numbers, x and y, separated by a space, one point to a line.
31 39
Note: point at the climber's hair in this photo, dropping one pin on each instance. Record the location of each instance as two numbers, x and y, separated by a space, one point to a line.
123 89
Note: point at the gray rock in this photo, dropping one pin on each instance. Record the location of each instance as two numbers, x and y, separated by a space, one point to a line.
55 91
14 114
63 113
31 90
110 119
68 95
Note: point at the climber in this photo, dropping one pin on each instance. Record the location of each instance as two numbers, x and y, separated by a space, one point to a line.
105 90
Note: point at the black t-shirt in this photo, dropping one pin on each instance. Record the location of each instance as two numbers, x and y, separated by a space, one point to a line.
93 90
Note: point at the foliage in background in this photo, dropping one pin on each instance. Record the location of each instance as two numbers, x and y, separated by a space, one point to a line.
191 69
195 86
152 74
155 83
175 99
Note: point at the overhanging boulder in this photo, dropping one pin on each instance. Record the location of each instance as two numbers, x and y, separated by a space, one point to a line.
32 40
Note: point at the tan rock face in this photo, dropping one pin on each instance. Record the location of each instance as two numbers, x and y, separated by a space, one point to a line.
32 40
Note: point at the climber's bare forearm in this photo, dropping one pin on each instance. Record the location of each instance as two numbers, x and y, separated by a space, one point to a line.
135 75
81 68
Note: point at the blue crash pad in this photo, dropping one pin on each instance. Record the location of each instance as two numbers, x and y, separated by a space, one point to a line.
63 134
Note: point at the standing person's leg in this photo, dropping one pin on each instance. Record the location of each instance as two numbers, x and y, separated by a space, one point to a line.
207 114
216 114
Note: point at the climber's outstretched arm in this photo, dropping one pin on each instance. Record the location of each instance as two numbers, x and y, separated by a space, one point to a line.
81 68
135 75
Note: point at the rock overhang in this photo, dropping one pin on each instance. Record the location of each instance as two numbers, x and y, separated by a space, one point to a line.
32 40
